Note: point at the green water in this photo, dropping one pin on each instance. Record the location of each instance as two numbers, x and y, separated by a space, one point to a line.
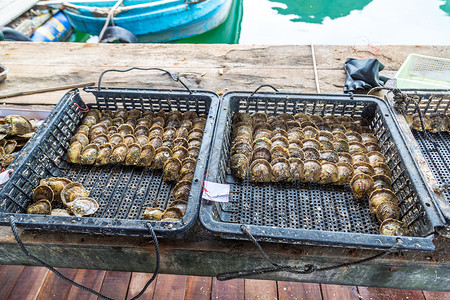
345 22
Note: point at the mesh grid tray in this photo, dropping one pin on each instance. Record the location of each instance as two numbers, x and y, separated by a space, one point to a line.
121 191
311 213
435 147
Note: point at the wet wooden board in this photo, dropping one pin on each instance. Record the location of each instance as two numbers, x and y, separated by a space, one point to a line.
92 279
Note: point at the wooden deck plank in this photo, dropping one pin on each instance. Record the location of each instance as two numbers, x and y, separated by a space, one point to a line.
115 284
90 278
198 288
137 283
170 287
260 289
374 293
55 287
29 283
228 290
8 278
298 290
432 295
339 292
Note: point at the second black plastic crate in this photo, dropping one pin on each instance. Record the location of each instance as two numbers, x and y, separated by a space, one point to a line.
121 191
309 213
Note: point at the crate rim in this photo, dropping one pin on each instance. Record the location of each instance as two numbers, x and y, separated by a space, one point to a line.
434 214
110 226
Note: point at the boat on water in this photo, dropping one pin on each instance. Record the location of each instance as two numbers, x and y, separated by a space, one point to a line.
150 21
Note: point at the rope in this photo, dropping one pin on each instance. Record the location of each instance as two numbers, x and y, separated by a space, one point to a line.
306 269
110 14
12 222
316 77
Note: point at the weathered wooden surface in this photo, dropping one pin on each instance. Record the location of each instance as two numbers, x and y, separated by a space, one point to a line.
218 68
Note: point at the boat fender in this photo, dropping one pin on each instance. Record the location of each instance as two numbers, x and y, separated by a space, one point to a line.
13 35
118 34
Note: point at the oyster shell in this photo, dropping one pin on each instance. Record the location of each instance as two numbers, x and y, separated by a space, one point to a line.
281 170
97 129
363 167
158 122
311 170
155 131
74 153
121 113
296 169
330 119
119 153
372 147
329 173
329 155
129 139
242 148
279 133
356 147
195 142
376 157
295 143
189 176
162 154
359 157
172 214
353 137
345 119
117 122
341 145
279 152
296 152
83 206
280 141
292 124
393 227
181 191
73 191
169 133
260 171
352 126
311 153
156 142
262 143
193 152
168 143
100 139
345 158
310 132
180 152
133 155
326 145
189 115
56 184
368 138
107 121
171 169
259 117
116 139
381 182
80 138
144 121
43 192
379 196
125 129
141 130
141 140
339 135
382 169
264 133
261 153
42 207
195 133
10 146
83 129
188 165
89 154
337 128
279 124
239 165
89 121
199 123
104 154
387 210
325 136
312 143
182 132
152 213
316 119
286 117
345 173
361 185
301 117
147 155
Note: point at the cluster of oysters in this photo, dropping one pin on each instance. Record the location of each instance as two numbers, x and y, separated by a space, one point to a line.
59 196
167 141
336 150
15 131
434 123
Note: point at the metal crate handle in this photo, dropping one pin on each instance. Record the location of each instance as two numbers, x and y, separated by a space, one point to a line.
12 222
265 85
174 76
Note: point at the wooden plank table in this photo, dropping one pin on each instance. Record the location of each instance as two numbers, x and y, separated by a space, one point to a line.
218 68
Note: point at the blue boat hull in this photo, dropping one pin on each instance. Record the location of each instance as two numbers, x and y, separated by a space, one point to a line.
160 24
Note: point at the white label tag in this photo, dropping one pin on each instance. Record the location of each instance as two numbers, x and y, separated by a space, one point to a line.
214 191
4 176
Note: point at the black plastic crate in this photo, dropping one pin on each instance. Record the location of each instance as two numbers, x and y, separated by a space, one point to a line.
309 213
121 191
435 147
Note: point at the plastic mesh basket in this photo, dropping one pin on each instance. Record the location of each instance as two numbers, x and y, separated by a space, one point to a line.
309 213
424 72
121 191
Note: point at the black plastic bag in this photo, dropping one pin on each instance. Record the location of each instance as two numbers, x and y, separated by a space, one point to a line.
362 75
